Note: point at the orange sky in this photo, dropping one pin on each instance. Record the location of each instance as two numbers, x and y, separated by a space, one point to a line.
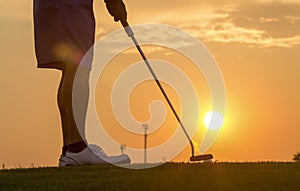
257 48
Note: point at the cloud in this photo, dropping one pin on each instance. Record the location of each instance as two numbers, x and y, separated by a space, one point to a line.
292 19
259 23
246 24
229 32
268 20
279 1
149 50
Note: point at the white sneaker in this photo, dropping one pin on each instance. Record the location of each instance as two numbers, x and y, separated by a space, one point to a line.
92 154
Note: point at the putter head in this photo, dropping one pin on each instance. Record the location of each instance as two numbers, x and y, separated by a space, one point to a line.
201 157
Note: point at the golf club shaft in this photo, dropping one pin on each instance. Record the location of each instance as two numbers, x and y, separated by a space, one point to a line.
131 34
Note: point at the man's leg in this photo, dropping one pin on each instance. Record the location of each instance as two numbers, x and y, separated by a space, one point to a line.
73 131
74 88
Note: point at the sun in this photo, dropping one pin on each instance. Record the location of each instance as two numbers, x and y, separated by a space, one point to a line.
213 120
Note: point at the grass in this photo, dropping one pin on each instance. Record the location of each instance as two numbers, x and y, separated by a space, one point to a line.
170 176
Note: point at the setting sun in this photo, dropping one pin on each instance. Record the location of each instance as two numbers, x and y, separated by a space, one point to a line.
213 120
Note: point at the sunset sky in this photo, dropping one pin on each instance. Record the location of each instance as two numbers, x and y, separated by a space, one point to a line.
257 47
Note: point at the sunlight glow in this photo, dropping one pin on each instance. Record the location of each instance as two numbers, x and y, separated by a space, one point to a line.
213 120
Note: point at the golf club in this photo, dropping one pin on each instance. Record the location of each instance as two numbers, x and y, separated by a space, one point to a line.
130 33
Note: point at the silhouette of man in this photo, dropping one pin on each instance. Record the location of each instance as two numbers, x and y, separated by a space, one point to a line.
64 31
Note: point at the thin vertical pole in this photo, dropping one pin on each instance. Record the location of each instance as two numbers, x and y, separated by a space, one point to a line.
145 142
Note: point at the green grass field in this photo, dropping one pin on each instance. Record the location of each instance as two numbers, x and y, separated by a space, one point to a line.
170 176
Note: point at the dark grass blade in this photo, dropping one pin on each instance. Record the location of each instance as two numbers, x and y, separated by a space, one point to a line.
201 157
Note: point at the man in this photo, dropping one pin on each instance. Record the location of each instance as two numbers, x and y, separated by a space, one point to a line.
64 31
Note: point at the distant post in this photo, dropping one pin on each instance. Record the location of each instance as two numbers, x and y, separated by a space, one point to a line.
145 142
122 147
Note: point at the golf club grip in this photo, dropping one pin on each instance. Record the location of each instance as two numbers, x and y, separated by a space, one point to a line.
127 28
124 23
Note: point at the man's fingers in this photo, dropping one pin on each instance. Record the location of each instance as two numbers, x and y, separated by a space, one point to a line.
116 9
120 17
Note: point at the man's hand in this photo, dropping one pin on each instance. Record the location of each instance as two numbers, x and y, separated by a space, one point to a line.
116 8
